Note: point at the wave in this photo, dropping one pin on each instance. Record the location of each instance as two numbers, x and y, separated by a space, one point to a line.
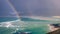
32 19
24 21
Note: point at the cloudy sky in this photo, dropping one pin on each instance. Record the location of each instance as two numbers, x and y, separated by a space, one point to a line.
30 7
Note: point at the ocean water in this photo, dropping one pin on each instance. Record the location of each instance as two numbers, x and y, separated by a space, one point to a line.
4 19
25 25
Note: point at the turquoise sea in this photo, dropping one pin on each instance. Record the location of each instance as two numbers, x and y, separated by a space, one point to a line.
33 25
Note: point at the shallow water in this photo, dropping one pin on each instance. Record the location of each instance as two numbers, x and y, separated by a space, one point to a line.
35 29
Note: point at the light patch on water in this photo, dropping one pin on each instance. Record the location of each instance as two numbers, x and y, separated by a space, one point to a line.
16 23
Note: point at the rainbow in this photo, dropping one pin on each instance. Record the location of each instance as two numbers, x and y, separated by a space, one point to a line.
17 14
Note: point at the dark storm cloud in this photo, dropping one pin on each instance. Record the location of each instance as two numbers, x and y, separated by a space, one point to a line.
34 7
5 9
37 7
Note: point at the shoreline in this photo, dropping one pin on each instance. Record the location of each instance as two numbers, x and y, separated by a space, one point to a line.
52 28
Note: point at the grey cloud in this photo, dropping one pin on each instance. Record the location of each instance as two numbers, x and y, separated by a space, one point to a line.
34 7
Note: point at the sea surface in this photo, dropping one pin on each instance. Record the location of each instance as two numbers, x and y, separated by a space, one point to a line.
34 26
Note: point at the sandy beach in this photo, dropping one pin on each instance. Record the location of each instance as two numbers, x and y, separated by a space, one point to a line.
52 28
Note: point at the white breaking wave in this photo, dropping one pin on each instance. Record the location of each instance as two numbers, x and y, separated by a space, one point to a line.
18 23
15 23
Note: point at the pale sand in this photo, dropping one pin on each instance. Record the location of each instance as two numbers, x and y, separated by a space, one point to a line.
51 28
